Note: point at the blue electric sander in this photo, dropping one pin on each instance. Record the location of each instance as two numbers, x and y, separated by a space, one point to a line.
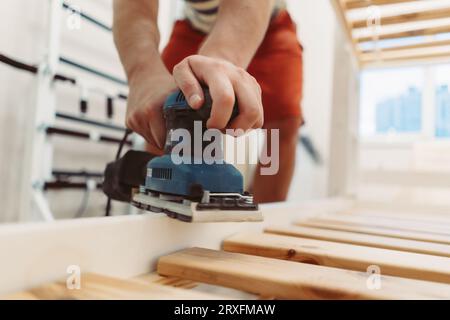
194 191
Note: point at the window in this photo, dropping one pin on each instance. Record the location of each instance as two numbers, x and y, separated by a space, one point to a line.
443 102
401 102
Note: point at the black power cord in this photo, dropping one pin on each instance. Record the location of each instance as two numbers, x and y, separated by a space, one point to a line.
118 154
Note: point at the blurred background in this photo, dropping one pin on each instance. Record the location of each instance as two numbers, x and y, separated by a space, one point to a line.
376 103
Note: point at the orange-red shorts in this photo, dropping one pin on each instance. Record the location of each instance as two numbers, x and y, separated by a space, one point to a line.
277 65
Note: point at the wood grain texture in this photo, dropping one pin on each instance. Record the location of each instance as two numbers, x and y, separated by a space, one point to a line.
385 232
340 255
94 286
401 215
289 280
153 278
363 240
387 223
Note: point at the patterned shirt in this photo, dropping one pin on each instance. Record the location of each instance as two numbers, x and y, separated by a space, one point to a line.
203 13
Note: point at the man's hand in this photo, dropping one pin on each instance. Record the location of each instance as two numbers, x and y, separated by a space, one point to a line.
226 82
145 107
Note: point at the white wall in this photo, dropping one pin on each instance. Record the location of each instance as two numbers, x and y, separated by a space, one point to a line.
316 27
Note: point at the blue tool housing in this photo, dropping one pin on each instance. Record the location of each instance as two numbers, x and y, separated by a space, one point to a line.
189 180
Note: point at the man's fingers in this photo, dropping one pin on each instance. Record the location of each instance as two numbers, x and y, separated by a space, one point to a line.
250 107
226 83
158 131
153 132
222 95
188 83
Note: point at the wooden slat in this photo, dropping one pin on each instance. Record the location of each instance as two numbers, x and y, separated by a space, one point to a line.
358 4
438 57
94 286
340 255
407 17
386 223
407 54
407 34
289 280
363 240
401 215
421 45
154 278
393 233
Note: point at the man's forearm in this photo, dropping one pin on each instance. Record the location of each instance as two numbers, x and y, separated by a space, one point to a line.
239 30
136 36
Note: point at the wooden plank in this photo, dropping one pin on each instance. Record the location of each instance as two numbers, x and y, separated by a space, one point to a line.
406 17
407 34
436 249
400 214
358 4
437 58
385 223
393 233
94 286
340 255
406 55
290 280
153 278
421 45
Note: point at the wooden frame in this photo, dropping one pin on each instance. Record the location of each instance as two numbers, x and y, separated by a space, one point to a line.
405 23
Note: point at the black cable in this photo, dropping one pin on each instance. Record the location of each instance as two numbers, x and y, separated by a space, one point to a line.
119 152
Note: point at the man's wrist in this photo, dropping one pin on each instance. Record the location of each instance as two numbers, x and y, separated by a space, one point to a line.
225 54
149 69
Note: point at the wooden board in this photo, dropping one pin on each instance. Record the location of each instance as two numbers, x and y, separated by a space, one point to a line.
363 240
400 215
154 278
386 223
340 255
393 233
289 280
94 286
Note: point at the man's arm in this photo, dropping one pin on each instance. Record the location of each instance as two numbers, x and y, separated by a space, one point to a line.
239 30
136 36
222 70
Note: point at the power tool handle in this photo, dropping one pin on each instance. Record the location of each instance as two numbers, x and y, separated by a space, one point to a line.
205 111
